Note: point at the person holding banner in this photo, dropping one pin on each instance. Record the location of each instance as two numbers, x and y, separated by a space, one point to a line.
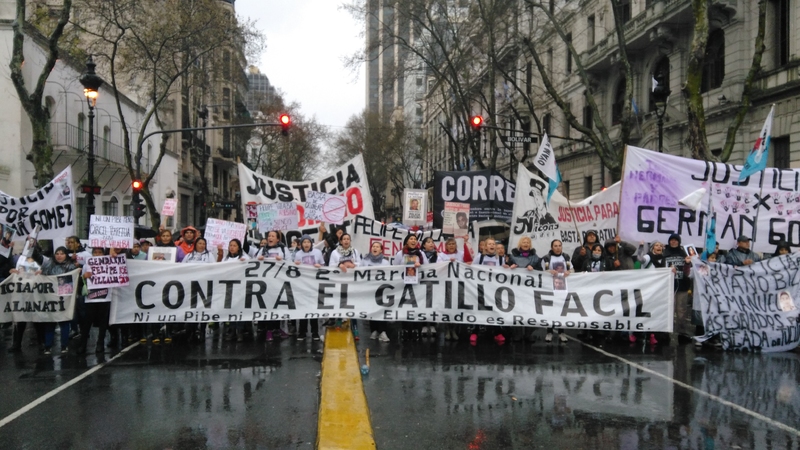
372 259
59 265
309 256
451 253
675 256
429 249
273 248
492 259
559 266
236 253
741 255
200 253
782 248
410 255
583 253
523 257
346 257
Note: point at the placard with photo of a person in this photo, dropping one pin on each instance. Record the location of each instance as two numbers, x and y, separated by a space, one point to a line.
7 240
415 205
411 275
455 218
690 250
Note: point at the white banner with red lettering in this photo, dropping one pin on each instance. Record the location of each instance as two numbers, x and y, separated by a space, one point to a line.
349 181
364 231
564 220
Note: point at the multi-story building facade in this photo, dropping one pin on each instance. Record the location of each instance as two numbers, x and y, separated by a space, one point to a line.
658 34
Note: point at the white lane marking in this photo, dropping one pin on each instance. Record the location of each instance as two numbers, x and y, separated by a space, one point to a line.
766 419
8 419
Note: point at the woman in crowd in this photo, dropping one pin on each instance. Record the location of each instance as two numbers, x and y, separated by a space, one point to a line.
346 257
59 265
375 258
410 255
451 254
523 257
782 248
307 255
651 260
429 249
200 254
559 265
273 248
492 259
165 240
236 253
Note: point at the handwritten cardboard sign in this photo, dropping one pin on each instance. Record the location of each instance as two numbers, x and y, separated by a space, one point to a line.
219 233
277 216
325 207
107 271
111 232
169 207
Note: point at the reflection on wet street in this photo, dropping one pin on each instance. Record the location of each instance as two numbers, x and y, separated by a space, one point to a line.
424 394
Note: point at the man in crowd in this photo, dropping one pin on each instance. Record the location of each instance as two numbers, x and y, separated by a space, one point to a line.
741 255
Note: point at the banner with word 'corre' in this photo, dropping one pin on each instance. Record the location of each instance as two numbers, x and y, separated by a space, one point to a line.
349 180
52 207
750 307
38 298
447 293
561 219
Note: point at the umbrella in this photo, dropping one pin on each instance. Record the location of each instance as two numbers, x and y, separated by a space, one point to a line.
144 232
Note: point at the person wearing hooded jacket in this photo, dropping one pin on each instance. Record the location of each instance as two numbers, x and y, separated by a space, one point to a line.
187 239
675 256
620 253
58 265
584 252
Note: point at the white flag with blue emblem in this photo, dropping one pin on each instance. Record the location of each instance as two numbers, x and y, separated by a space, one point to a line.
757 159
545 161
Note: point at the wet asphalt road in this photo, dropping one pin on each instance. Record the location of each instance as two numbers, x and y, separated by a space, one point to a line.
423 394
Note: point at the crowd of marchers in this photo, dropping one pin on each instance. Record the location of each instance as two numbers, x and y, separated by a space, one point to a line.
92 306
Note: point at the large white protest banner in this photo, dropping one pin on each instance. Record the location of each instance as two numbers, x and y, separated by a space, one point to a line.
447 292
110 232
364 231
52 207
349 180
561 219
107 271
219 233
750 307
653 185
277 216
38 298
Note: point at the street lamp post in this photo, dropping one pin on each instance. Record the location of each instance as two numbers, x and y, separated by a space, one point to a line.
660 95
91 83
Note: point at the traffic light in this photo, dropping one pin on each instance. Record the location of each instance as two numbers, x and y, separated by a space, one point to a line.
285 121
137 186
476 122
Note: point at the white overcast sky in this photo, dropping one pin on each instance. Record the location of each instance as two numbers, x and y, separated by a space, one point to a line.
307 41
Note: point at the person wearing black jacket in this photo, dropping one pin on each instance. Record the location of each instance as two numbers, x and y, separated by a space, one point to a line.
583 253
676 257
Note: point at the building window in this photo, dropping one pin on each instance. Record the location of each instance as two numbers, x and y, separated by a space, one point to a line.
590 31
714 65
81 132
226 103
662 67
529 78
106 138
226 65
567 125
588 117
587 186
568 43
619 103
782 14
780 152
624 12
419 82
111 207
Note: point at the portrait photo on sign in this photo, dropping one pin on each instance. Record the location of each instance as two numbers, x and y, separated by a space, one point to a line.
7 240
65 286
785 301
415 206
411 275
690 250
162 254
455 218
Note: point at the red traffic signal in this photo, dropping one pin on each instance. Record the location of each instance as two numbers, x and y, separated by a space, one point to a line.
476 122
285 121
137 186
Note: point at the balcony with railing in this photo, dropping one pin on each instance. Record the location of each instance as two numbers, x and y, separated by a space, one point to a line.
69 138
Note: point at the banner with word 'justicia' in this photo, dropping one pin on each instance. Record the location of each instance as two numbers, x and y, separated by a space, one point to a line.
348 180
750 307
560 219
52 207
664 194
38 298
446 293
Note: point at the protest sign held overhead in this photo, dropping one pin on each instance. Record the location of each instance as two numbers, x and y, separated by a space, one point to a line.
52 208
38 298
168 209
277 216
489 195
415 206
446 293
750 307
111 232
326 208
455 218
560 219
107 271
219 233
7 234
653 185
349 181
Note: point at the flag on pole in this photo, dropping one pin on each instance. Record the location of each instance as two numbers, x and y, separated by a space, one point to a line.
711 236
757 159
545 161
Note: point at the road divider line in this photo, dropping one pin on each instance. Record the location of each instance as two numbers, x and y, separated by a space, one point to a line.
721 400
344 421
15 415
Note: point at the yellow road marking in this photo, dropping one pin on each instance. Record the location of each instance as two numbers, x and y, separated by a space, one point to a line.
344 421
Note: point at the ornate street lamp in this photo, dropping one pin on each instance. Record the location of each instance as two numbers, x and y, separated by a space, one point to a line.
660 95
91 84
